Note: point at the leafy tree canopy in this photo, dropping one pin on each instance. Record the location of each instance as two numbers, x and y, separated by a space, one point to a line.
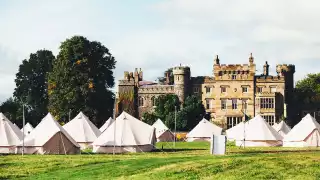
10 109
186 118
149 118
81 80
194 111
163 80
31 85
309 84
307 90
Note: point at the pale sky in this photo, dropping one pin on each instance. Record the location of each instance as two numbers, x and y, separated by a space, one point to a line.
154 35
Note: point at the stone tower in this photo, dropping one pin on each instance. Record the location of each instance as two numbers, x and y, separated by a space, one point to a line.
127 91
181 81
287 72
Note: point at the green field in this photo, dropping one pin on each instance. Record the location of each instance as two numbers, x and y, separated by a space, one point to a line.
189 161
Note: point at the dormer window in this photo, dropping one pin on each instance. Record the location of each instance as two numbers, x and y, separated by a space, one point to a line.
234 76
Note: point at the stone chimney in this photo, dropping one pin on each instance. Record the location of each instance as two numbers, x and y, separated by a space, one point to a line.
140 75
251 59
216 60
167 77
266 69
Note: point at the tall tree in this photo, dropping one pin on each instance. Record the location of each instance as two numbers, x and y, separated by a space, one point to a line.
166 104
81 80
31 84
10 109
309 84
193 110
167 77
306 97
186 118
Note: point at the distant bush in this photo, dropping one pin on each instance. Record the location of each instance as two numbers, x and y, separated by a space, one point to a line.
231 143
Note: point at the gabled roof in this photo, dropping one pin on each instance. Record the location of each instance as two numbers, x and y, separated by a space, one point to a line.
10 135
303 129
204 129
81 129
44 131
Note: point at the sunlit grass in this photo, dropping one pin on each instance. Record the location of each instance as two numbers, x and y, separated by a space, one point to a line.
187 161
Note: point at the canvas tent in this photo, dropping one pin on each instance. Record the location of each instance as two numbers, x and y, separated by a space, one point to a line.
49 138
106 124
235 131
163 133
305 134
282 128
15 126
258 133
126 134
203 131
10 136
27 129
82 130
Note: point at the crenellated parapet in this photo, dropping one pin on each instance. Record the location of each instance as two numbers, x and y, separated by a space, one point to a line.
181 70
182 78
270 79
234 71
285 69
126 83
159 89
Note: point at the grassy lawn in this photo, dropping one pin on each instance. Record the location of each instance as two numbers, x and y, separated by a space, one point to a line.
189 161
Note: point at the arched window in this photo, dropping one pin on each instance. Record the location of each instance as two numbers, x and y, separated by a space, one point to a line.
153 101
140 101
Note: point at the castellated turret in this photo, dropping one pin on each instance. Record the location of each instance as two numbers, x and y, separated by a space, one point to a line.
284 69
287 71
181 81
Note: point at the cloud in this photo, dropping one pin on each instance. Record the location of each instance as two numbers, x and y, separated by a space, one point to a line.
155 35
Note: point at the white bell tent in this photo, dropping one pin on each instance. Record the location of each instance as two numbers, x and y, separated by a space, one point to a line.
282 128
49 138
27 129
126 134
82 130
203 131
235 131
163 133
257 132
16 127
10 135
305 134
106 124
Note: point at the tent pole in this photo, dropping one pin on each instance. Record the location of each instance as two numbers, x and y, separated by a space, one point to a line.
244 130
23 129
114 130
175 126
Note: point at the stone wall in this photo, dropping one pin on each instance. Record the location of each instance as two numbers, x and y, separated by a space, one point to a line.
150 93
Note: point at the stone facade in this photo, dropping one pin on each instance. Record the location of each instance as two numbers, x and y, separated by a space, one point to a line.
234 92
